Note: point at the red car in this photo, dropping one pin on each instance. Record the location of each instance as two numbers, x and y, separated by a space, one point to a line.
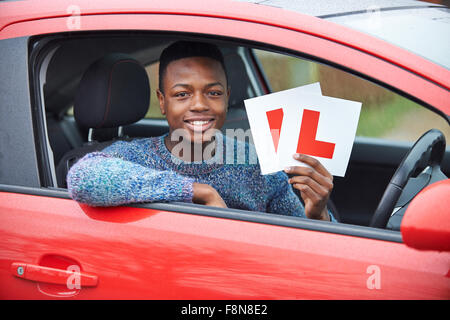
392 239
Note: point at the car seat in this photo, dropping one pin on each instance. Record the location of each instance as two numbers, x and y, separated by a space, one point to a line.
114 91
239 82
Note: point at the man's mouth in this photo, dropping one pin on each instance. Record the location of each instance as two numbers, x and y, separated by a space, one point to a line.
199 125
199 122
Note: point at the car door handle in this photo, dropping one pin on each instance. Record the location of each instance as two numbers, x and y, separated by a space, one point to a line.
51 275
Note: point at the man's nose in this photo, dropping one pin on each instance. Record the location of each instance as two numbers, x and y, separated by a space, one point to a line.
199 103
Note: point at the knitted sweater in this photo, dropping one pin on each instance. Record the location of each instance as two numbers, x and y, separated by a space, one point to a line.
144 170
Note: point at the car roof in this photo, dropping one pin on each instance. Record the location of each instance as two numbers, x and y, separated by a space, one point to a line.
327 8
267 11
263 12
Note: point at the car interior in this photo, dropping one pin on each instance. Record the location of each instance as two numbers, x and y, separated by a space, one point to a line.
72 58
74 77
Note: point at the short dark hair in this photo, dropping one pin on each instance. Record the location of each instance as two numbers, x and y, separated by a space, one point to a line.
187 49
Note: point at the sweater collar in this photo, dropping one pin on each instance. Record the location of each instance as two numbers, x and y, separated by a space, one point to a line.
195 167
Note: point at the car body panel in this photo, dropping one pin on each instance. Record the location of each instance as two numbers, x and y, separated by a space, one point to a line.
233 10
141 253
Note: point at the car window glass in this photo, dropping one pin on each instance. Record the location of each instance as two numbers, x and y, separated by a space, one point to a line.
384 114
404 27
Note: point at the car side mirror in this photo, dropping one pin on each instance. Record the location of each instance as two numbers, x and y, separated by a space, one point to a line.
426 223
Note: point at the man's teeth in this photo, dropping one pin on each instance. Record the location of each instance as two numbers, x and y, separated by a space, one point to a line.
199 123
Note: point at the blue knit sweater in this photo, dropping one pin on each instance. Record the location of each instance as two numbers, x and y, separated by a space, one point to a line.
144 170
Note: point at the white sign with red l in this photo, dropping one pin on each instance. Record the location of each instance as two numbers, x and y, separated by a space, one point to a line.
301 120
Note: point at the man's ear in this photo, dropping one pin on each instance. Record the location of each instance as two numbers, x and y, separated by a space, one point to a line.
160 96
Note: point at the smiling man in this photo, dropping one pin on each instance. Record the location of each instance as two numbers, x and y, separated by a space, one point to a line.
193 95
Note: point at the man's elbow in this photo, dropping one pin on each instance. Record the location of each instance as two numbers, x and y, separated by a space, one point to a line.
79 189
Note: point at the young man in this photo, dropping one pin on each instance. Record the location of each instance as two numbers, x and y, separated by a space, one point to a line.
193 95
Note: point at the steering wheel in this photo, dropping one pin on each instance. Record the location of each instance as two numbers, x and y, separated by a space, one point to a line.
428 150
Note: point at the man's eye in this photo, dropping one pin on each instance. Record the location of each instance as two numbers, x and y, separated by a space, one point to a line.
215 93
181 94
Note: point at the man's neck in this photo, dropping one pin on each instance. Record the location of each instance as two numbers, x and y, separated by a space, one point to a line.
189 151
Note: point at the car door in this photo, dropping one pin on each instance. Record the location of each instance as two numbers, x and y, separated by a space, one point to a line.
55 247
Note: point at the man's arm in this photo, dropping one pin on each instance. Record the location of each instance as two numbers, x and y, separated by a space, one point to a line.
101 179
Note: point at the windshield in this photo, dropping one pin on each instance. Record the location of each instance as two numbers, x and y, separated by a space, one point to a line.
423 31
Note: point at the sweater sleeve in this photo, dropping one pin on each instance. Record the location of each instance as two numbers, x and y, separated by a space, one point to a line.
107 179
284 201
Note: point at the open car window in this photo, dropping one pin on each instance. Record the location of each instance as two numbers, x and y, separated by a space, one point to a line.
252 72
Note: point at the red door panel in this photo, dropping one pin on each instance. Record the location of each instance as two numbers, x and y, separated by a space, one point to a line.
139 253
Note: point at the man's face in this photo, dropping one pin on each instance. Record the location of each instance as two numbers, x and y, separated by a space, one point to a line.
195 97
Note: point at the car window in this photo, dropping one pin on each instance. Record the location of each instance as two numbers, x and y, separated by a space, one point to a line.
384 114
404 27
380 112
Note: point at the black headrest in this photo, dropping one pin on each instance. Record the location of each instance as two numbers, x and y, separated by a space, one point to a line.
237 75
114 91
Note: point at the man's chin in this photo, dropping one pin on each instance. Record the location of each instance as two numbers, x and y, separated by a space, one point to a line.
200 136
194 137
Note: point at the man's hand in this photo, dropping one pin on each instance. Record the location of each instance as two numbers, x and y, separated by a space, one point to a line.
207 195
315 184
